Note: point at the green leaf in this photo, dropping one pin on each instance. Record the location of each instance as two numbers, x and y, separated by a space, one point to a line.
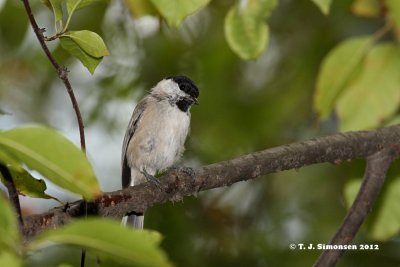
54 156
56 6
9 259
394 11
174 11
90 42
366 8
9 237
73 5
384 223
46 3
245 28
29 186
336 70
323 5
10 161
140 8
74 49
109 238
377 87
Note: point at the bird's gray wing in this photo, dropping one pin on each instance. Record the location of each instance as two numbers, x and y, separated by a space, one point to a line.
130 131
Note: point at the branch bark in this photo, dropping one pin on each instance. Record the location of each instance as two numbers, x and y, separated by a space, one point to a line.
374 178
180 183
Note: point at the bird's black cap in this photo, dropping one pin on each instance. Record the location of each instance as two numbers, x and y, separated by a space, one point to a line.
186 85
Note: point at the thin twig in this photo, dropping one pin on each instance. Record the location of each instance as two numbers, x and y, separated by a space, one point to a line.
61 71
12 192
374 177
63 75
382 31
54 37
83 251
83 257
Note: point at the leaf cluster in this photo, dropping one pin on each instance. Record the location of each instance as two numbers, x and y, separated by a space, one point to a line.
87 46
358 82
56 158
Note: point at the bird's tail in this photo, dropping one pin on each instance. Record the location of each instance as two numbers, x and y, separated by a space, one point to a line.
134 220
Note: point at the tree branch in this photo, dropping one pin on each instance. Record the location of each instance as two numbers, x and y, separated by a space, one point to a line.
12 192
178 184
374 177
61 71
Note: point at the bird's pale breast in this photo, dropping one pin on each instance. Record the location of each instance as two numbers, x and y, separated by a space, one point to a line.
159 142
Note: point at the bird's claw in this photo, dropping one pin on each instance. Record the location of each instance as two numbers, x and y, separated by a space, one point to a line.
150 178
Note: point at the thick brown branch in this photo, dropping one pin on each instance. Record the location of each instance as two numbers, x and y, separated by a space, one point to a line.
61 71
374 177
178 184
12 192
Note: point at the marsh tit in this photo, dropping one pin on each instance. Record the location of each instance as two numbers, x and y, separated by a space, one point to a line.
156 134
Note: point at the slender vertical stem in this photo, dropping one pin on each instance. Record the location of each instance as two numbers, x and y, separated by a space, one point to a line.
61 71
63 75
12 192
83 257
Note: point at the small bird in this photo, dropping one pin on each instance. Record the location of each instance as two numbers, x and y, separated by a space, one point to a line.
155 137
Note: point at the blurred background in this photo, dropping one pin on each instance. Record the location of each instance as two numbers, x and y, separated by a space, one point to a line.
244 107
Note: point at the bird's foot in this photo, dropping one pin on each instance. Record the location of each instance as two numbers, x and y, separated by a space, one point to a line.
150 178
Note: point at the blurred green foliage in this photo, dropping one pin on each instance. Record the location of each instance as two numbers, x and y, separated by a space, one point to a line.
109 240
245 106
51 154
